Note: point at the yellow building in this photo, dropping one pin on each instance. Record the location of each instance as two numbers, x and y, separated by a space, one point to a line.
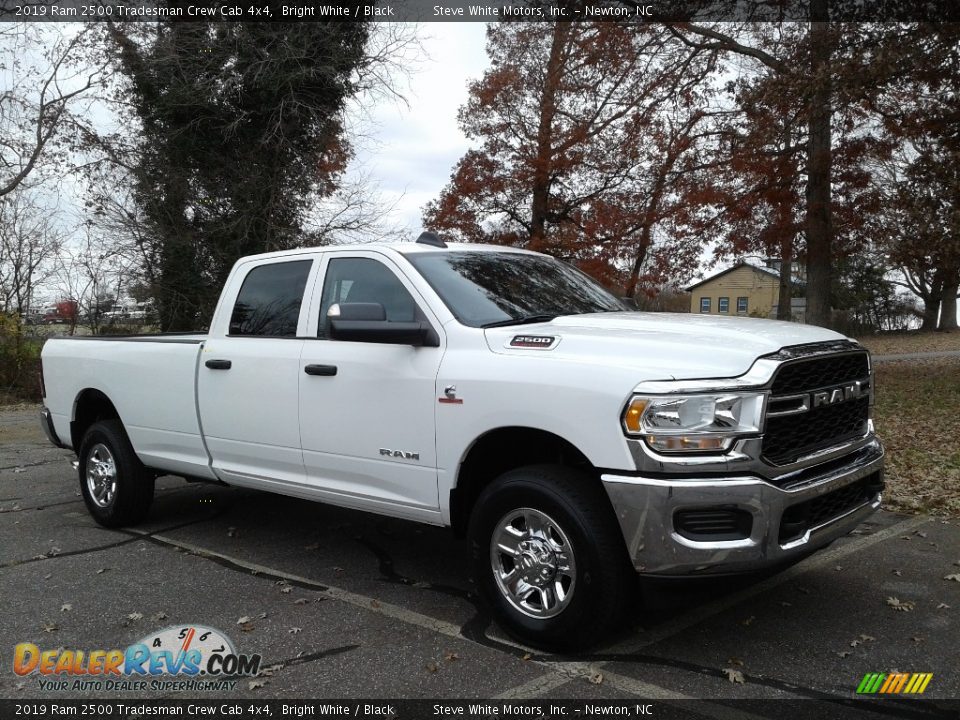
741 290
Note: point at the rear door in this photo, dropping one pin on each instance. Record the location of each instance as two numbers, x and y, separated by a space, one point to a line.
367 427
249 372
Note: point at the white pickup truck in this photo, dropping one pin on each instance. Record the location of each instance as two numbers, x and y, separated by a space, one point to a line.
501 392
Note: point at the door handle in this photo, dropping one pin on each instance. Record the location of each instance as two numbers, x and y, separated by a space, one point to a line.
324 370
219 364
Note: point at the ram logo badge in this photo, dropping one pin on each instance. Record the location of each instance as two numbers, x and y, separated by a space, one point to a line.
837 395
402 454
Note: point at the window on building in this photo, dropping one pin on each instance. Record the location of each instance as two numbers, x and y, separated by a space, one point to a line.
704 305
723 305
269 301
742 305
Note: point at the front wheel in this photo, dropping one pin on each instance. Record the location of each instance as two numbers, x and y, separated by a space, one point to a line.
116 487
549 558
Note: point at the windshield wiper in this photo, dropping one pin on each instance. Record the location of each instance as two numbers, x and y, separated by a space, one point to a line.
525 320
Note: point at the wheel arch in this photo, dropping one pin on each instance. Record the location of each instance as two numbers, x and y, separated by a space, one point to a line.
91 405
506 448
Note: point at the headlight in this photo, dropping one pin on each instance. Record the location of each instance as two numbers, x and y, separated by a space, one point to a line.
693 423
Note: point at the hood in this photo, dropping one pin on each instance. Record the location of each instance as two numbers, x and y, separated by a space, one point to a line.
663 346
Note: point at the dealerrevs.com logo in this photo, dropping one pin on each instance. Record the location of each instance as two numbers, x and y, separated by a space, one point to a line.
179 657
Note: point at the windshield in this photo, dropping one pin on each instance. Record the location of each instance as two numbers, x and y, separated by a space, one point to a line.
503 288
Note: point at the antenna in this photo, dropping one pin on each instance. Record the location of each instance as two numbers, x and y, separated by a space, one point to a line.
432 239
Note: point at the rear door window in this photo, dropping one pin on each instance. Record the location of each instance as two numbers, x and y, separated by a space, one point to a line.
269 301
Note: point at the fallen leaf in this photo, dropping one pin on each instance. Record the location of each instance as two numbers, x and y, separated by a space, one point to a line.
159 616
838 568
748 621
902 605
867 638
784 603
135 616
920 533
262 616
338 569
420 584
295 630
844 653
917 639
955 577
286 589
300 601
854 643
734 676
244 619
47 576
254 684
897 573
374 604
735 661
50 627
246 627
431 667
451 657
66 607
597 678
943 606
101 571
526 657
19 470
315 546
804 590
231 532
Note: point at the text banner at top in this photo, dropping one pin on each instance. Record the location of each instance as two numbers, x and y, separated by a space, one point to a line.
624 11
637 11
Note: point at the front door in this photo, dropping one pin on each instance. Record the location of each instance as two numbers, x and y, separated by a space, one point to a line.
367 425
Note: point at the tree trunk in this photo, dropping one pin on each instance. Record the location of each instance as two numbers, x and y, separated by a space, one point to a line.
931 302
631 290
539 204
784 298
819 160
948 304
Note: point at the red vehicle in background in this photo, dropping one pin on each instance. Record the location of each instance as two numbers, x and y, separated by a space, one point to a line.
61 312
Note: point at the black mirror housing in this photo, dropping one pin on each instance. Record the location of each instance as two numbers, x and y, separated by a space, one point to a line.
382 331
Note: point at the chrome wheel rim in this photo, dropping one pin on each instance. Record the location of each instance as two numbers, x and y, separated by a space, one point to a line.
101 475
533 563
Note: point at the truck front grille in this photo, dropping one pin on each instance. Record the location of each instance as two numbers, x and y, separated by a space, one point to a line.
791 436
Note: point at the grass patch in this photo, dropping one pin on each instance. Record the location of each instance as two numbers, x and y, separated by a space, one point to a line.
917 415
910 342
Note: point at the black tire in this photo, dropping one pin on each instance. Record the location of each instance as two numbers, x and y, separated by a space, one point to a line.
602 576
131 488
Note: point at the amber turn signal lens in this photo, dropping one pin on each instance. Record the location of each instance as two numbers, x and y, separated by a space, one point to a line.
631 419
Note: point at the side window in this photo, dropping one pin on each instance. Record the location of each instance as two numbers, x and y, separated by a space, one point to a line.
723 305
268 304
364 280
741 304
704 304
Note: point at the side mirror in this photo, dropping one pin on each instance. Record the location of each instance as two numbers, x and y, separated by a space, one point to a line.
366 322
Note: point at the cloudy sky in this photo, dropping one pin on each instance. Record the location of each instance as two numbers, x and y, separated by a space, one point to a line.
414 146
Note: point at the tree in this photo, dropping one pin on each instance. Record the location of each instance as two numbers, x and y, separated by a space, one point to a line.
242 133
36 105
29 244
810 65
588 137
919 71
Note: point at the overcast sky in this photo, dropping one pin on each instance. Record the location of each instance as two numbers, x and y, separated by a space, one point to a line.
415 146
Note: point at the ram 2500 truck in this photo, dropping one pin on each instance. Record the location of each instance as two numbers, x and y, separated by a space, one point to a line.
501 392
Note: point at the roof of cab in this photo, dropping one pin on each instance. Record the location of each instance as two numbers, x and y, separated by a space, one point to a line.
403 248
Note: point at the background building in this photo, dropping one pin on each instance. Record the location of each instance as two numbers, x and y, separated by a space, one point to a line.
744 289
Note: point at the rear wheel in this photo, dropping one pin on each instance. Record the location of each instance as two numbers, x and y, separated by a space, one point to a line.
116 487
549 558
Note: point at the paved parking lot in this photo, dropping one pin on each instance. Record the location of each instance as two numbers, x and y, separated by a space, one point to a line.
344 604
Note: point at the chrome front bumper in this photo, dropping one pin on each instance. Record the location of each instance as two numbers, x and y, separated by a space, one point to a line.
647 508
